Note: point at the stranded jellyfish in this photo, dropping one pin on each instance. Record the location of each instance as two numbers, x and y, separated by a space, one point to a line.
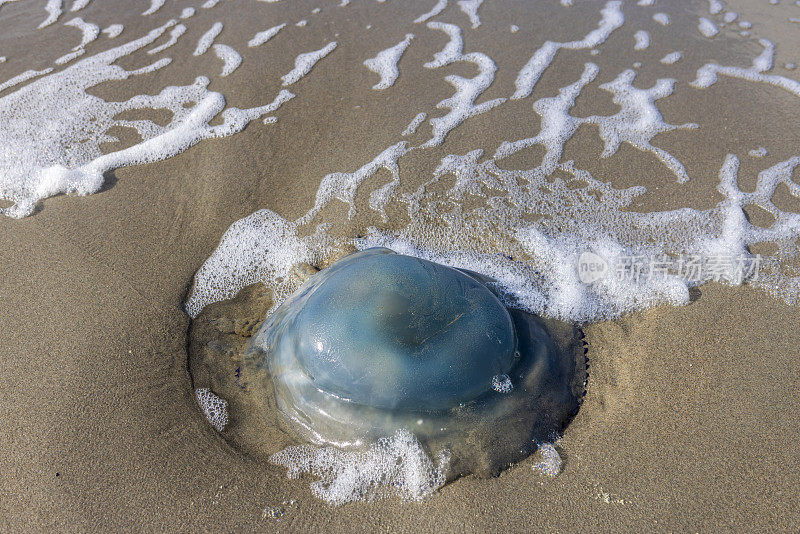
379 342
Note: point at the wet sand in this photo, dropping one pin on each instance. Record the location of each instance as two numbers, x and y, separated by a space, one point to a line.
690 421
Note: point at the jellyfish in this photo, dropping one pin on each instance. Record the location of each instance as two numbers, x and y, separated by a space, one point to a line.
380 342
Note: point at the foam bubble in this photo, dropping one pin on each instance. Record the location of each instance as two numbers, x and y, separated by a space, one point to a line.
612 18
707 74
187 12
707 28
394 466
414 124
89 32
113 30
214 408
174 34
548 460
343 186
23 77
262 37
437 8
470 8
77 5
759 152
385 63
207 39
229 56
54 9
661 18
303 63
462 103
69 159
502 383
730 16
642 40
155 5
671 58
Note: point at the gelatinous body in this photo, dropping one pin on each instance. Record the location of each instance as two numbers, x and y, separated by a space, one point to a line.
380 341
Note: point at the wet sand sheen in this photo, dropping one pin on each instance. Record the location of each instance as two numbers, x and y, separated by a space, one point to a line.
689 421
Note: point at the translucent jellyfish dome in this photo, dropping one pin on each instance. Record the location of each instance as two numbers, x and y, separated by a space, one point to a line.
380 342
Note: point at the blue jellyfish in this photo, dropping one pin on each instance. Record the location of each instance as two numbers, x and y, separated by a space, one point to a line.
380 341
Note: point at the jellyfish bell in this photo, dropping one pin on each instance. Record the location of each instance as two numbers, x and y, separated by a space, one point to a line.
380 342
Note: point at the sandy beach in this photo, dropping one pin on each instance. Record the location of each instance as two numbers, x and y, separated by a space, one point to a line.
690 418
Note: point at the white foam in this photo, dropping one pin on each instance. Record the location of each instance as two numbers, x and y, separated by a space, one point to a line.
612 18
437 8
2 59
229 56
262 37
174 34
557 125
66 58
714 7
77 5
462 103
260 247
671 58
54 9
548 461
642 40
24 77
155 5
214 408
638 120
394 466
301 23
343 185
303 63
385 63
707 74
645 3
566 3
89 31
661 18
759 152
514 28
502 383
707 28
730 16
745 24
470 8
208 4
414 124
113 30
207 39
188 12
68 159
